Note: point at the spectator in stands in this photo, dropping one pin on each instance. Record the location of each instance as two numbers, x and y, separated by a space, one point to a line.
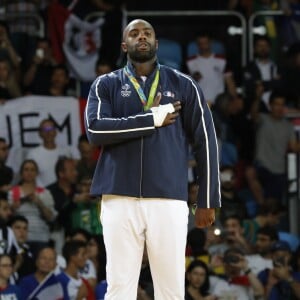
87 162
268 214
290 25
291 71
225 108
97 254
233 226
9 87
103 67
261 258
7 290
19 225
59 81
87 272
280 282
232 204
35 203
261 69
239 282
75 286
233 128
269 22
197 282
215 241
7 50
111 33
63 191
37 76
192 202
210 71
8 243
47 154
274 137
85 213
6 173
258 93
42 282
23 30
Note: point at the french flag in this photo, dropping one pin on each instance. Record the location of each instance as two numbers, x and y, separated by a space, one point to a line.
48 289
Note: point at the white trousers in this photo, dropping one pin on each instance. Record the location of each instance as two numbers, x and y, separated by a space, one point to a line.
130 223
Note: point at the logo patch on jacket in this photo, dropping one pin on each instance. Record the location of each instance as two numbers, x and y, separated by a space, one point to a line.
125 90
169 94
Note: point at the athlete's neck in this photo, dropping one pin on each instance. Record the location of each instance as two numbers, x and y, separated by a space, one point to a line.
145 68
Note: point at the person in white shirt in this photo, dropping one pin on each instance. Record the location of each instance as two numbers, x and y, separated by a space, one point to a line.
262 257
47 154
210 70
87 272
240 283
261 69
76 287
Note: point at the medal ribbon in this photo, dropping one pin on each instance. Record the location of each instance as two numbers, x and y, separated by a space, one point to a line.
147 103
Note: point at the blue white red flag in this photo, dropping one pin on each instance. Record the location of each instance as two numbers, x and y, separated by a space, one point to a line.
48 289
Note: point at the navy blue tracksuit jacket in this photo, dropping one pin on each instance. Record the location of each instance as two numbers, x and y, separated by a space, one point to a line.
140 160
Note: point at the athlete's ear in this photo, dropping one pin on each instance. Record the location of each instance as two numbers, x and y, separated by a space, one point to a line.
124 47
156 44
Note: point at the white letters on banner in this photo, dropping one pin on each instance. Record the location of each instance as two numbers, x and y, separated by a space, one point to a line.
20 119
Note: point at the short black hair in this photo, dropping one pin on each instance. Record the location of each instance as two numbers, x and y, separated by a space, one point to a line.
269 231
83 138
60 164
61 67
235 217
17 218
198 263
103 61
204 33
44 121
82 231
275 94
270 206
234 251
71 248
262 38
31 161
41 249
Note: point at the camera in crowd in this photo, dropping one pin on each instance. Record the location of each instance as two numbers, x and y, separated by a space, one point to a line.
233 256
279 261
225 234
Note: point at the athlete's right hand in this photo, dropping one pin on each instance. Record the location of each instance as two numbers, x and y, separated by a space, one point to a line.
171 117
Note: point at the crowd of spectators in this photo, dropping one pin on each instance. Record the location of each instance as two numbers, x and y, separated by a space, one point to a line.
51 244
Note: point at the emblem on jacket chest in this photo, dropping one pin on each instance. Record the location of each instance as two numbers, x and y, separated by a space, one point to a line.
125 90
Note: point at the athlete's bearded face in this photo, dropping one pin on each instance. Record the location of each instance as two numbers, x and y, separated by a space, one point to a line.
138 55
139 41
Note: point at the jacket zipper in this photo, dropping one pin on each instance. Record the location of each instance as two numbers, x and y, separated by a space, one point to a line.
141 176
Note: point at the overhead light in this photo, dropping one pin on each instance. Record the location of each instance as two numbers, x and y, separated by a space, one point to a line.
260 30
232 30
